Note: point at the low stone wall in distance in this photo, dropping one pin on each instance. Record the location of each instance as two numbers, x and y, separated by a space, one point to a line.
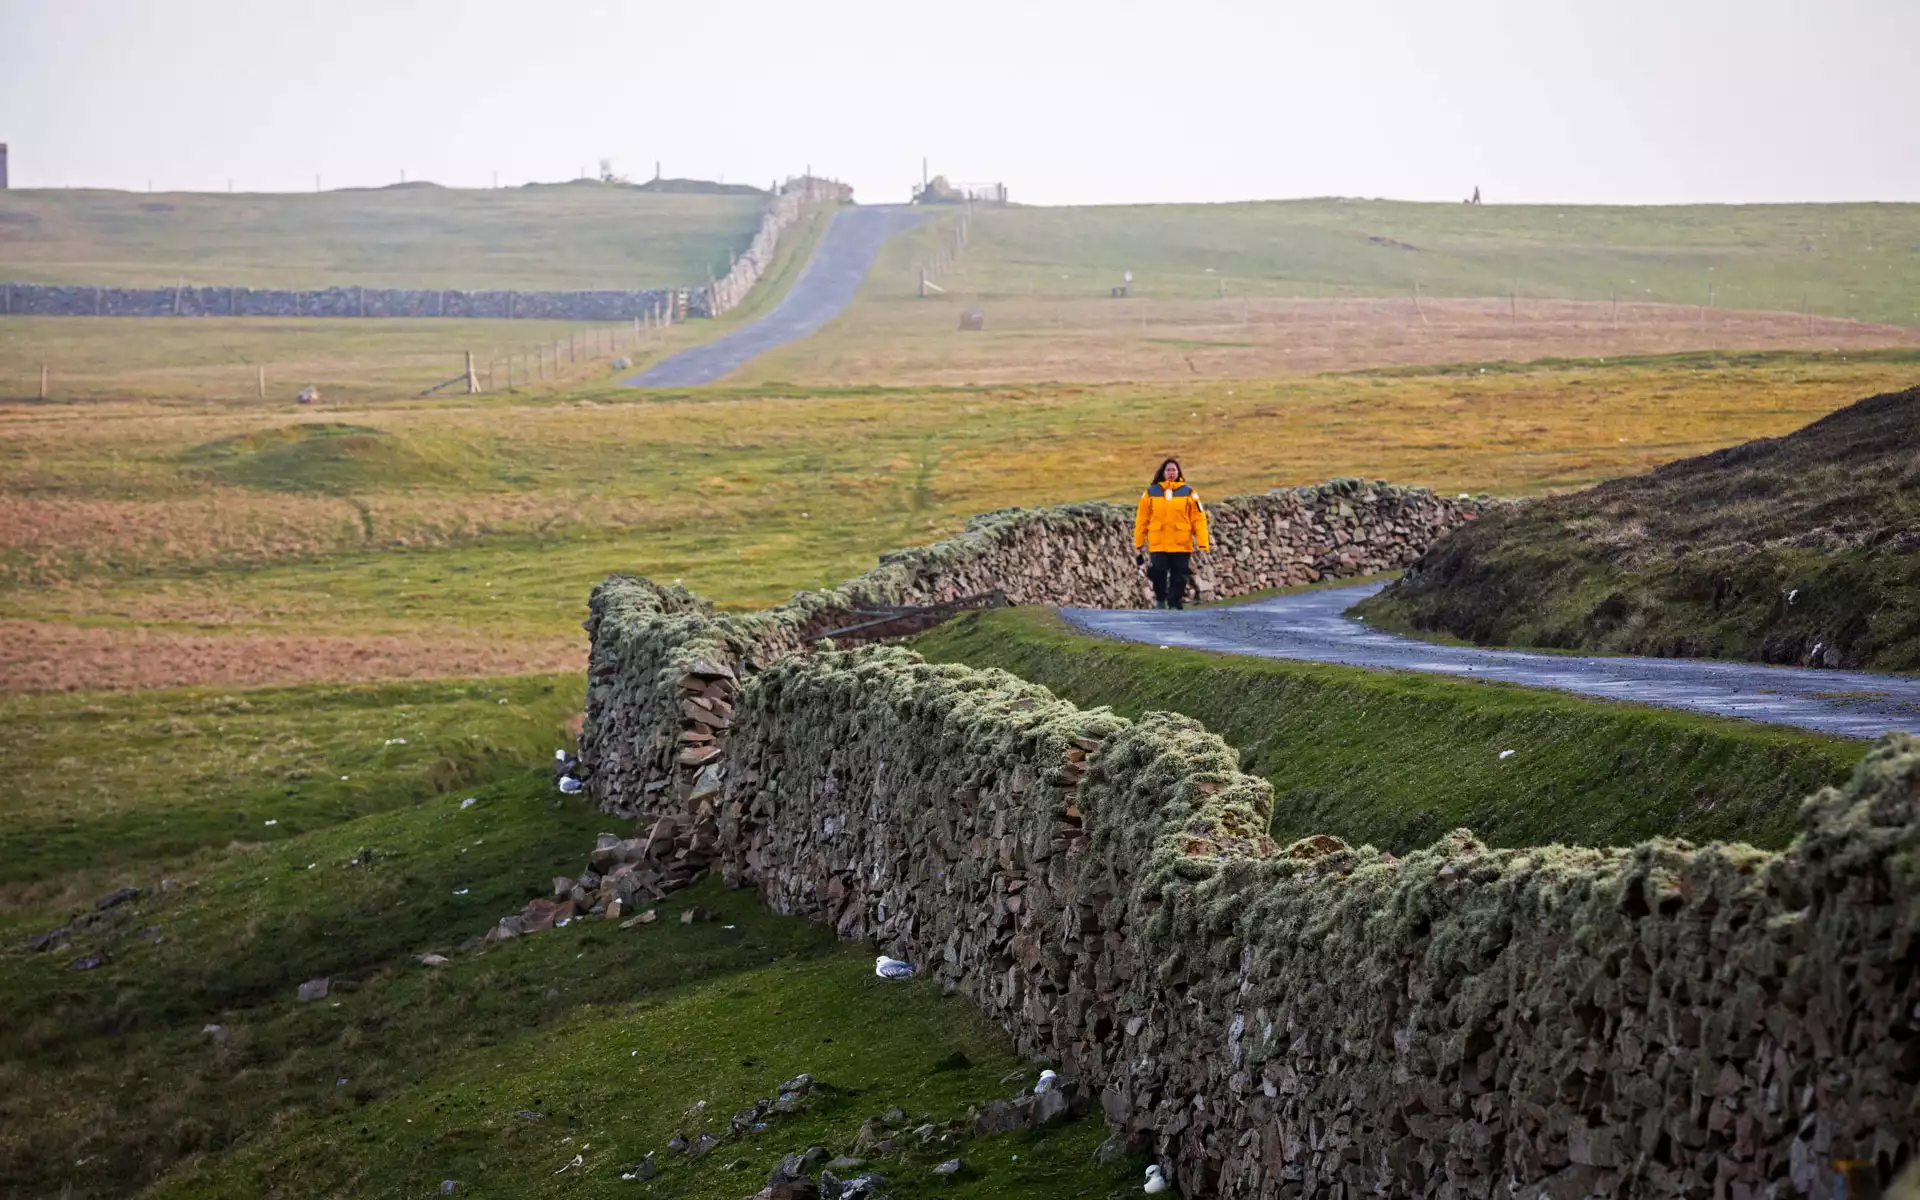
784 210
1082 554
1308 1020
655 305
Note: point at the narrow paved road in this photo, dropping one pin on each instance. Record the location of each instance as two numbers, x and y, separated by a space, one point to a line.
1309 626
840 261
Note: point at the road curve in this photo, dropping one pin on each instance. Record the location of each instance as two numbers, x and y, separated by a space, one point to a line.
1309 626
839 263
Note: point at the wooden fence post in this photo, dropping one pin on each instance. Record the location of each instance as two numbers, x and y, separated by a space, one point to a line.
263 383
43 381
473 384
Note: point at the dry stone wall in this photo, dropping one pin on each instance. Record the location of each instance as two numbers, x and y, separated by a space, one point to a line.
647 638
1082 554
784 211
655 304
1308 1020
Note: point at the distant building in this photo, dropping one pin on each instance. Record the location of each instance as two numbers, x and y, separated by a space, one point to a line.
3 166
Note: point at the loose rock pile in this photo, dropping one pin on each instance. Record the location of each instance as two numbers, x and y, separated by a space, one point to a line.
1318 1018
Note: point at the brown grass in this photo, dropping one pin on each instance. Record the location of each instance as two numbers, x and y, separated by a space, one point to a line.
894 340
41 656
126 571
218 359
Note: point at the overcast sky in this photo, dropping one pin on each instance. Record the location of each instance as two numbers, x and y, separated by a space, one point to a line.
1637 101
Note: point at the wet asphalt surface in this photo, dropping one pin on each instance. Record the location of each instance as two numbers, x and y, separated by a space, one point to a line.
1309 626
829 281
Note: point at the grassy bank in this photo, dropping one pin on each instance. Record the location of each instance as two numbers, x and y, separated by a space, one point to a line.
1397 760
408 1074
1794 550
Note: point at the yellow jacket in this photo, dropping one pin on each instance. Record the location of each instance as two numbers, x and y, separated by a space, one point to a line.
1170 520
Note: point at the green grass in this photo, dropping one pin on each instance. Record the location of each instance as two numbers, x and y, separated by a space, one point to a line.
319 457
541 237
98 784
1397 760
407 1074
1860 261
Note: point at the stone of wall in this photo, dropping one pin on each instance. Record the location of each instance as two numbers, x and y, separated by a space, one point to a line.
1318 1019
654 304
1082 554
783 212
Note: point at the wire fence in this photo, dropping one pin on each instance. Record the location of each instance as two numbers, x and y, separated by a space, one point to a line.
69 359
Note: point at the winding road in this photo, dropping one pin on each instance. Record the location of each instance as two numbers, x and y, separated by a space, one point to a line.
828 283
1309 626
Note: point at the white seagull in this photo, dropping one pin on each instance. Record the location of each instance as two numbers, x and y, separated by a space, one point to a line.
1046 1082
1156 1180
892 968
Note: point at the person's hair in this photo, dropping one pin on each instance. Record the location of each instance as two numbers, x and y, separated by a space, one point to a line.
1160 475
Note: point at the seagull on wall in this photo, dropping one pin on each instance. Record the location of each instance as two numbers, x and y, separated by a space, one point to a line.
892 968
1156 1180
1046 1081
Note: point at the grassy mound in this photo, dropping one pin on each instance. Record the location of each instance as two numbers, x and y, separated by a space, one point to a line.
1798 549
1398 760
327 457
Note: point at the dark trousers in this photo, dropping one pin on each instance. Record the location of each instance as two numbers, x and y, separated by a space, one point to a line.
1167 571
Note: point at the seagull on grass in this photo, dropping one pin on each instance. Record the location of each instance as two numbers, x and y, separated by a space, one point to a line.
892 968
1156 1180
1047 1079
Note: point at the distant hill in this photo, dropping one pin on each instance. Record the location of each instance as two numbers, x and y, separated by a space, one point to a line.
1803 549
699 187
1858 261
414 235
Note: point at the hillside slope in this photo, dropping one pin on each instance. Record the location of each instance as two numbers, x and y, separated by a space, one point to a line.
1799 549
1860 261
544 236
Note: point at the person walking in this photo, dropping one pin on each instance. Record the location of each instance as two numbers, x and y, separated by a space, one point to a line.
1169 526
